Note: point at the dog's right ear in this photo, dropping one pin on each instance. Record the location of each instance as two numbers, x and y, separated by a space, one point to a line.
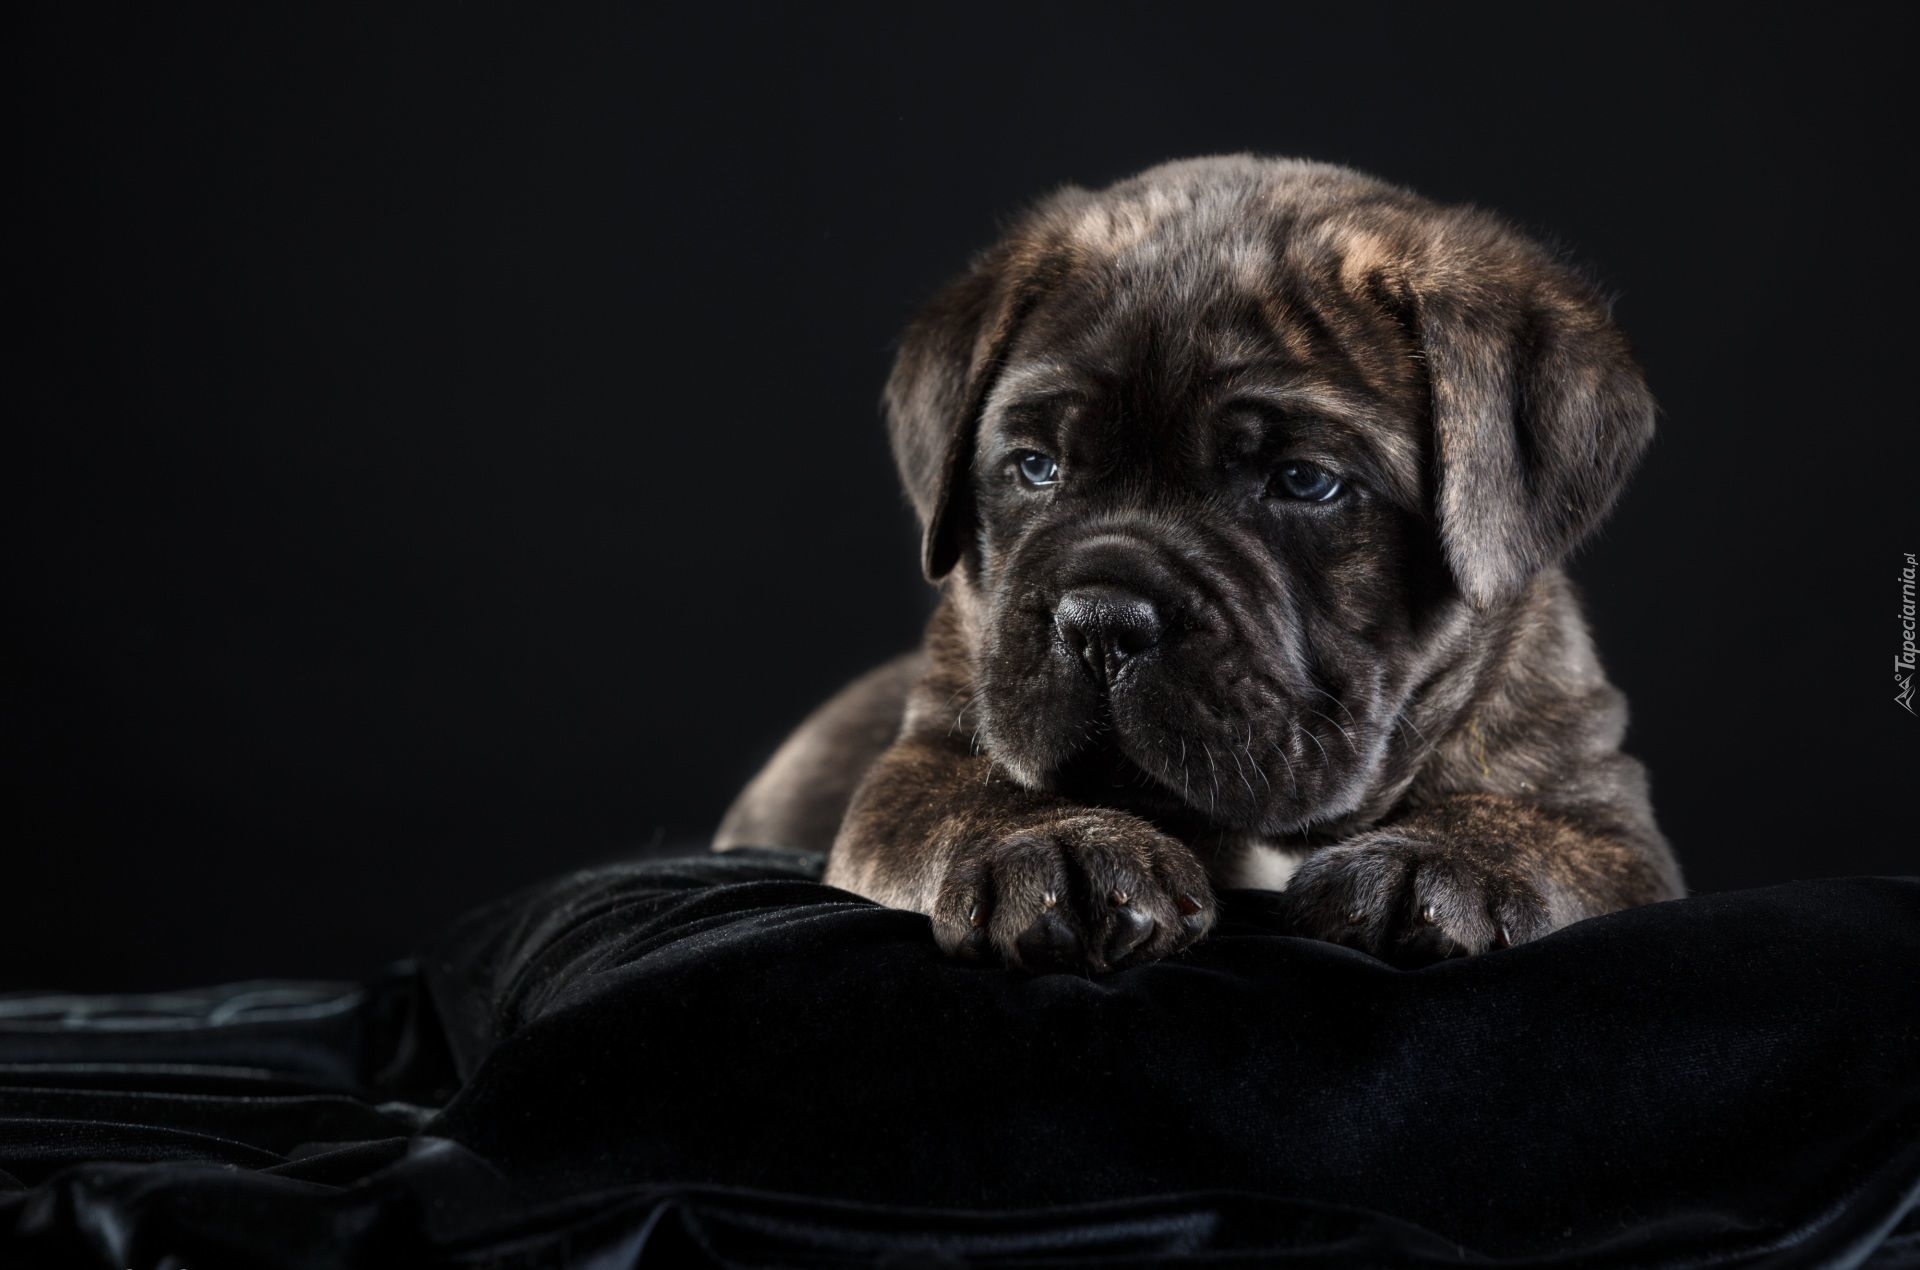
948 360
1539 411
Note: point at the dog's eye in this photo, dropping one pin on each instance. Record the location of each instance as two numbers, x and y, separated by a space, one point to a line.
1308 482
1037 469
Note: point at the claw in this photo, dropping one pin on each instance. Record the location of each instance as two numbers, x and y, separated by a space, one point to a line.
974 946
1131 929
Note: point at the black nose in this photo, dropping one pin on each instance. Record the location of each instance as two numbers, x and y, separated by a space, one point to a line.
1105 627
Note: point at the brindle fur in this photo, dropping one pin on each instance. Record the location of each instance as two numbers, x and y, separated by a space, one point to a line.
1394 691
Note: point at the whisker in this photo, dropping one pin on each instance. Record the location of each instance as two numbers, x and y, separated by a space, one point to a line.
1247 745
1291 778
1330 697
1336 723
1243 775
1404 719
959 714
1326 760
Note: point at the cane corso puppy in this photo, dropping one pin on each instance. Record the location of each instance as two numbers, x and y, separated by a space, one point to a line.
1247 484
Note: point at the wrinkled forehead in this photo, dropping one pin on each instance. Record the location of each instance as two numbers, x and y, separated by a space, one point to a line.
1155 326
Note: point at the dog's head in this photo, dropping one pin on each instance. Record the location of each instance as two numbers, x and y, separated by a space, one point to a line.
1223 456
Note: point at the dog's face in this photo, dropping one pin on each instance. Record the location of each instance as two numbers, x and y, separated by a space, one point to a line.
1228 455
1198 535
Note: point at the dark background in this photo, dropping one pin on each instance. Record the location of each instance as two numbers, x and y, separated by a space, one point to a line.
444 448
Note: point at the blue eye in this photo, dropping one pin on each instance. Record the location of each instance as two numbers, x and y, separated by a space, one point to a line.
1308 482
1037 469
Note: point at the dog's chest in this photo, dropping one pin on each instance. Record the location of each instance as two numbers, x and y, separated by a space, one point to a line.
1260 865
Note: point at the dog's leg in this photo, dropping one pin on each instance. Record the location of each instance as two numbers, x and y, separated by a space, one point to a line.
801 795
1473 872
1007 872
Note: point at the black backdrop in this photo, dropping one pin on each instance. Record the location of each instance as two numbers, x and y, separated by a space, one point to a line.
444 446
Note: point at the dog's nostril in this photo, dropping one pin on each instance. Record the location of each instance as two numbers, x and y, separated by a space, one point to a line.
1105 626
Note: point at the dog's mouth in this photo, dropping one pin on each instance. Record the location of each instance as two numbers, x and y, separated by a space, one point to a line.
1105 777
1113 671
1102 775
1172 742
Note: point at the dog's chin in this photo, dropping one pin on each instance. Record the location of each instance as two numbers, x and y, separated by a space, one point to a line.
1115 753
1104 776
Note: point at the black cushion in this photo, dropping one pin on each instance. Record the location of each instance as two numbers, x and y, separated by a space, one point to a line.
718 1060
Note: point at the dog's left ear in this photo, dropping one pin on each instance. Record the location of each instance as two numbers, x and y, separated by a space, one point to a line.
1539 412
948 361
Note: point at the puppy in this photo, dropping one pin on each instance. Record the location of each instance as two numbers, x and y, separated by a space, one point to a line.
1246 483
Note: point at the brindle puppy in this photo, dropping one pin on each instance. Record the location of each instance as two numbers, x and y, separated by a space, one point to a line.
1247 483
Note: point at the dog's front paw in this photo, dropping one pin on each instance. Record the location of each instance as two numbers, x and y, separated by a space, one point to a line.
1092 890
1411 901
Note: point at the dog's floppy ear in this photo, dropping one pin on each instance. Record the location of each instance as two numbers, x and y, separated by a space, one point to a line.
949 357
1539 412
